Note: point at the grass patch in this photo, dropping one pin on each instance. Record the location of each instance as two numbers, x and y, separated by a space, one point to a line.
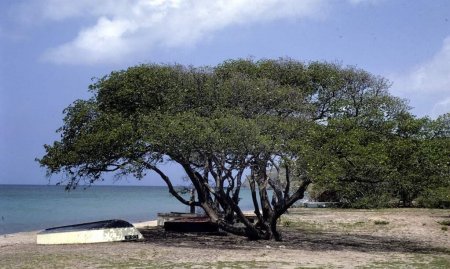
49 260
418 262
301 225
444 222
39 260
336 226
286 223
381 222
189 265
346 226
309 226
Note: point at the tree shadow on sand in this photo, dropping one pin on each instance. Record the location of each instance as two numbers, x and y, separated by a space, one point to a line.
292 239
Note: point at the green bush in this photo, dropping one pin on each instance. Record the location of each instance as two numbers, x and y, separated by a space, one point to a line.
435 198
369 201
353 195
444 222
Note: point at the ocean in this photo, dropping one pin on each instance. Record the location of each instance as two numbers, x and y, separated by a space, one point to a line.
37 207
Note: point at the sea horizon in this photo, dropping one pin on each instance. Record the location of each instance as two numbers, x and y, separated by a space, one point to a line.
31 207
26 207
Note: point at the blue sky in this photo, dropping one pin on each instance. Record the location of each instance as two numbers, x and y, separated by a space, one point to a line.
50 50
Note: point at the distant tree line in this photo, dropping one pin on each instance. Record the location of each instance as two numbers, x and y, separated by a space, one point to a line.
333 129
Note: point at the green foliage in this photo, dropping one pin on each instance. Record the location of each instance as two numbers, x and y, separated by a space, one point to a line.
435 198
146 112
402 160
335 126
355 165
419 158
444 222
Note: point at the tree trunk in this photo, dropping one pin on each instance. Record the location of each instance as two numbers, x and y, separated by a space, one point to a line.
273 229
224 209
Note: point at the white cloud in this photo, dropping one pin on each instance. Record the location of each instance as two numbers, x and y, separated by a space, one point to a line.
102 42
65 9
430 80
124 28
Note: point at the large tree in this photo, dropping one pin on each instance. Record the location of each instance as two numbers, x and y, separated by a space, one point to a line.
420 156
390 163
220 124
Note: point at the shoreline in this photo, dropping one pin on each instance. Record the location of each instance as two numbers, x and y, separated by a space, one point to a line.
29 237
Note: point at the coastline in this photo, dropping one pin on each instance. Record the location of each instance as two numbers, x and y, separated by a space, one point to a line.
29 237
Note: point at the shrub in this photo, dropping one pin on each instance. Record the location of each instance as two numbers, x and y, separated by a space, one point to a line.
369 201
444 222
435 198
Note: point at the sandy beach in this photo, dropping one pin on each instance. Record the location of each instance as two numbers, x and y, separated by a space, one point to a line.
313 238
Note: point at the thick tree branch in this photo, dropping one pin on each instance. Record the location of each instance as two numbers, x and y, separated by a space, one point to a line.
287 188
172 190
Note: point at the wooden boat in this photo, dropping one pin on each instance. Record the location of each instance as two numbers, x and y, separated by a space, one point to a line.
163 217
92 232
191 225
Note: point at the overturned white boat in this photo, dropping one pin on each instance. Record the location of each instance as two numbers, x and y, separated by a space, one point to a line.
92 232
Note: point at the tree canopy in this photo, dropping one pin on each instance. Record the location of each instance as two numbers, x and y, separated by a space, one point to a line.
315 123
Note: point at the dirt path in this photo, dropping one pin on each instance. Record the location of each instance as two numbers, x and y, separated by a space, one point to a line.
313 238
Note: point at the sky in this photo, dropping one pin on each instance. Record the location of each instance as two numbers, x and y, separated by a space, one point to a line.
50 50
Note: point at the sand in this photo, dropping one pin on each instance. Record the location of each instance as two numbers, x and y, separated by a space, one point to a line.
313 238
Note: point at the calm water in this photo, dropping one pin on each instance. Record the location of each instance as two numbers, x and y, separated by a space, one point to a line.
29 207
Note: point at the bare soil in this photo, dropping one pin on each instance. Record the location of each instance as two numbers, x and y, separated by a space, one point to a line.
313 238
